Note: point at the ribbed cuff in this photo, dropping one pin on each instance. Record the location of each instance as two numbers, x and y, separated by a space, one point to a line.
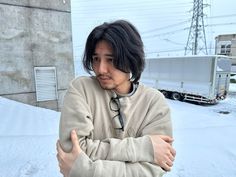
144 150
81 167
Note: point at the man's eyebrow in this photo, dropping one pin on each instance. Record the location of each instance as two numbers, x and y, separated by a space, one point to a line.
108 55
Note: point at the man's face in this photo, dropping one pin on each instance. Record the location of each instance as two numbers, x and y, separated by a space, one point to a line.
108 76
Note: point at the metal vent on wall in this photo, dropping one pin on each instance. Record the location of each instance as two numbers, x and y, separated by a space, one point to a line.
45 83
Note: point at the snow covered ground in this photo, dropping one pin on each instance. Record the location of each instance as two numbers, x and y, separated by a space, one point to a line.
27 140
204 139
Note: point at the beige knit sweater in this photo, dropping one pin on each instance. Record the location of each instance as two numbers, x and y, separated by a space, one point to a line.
109 151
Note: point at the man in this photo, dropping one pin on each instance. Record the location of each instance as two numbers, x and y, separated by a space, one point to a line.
110 124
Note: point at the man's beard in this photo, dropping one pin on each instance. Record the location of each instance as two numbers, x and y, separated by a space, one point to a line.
102 79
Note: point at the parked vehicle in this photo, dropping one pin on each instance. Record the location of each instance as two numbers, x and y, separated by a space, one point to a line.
203 79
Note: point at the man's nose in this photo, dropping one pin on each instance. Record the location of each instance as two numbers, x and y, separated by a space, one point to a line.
103 68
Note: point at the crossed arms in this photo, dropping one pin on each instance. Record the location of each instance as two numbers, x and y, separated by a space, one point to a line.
80 155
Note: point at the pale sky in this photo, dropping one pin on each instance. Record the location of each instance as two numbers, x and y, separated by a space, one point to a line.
164 25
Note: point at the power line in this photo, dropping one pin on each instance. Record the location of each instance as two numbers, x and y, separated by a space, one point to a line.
128 5
186 21
173 42
166 33
175 50
165 27
222 16
170 50
221 24
183 29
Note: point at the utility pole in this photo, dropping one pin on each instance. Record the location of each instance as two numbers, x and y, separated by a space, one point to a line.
196 37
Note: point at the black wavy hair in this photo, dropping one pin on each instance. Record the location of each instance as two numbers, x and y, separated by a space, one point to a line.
126 43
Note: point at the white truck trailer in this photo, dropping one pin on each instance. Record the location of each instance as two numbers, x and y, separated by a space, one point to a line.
202 79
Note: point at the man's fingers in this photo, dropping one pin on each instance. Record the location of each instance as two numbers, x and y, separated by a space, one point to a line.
75 141
59 159
166 138
166 166
173 152
59 149
169 163
172 158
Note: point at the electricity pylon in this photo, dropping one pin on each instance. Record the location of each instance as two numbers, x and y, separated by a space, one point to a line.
196 37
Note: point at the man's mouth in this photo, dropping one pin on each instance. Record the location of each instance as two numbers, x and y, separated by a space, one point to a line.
102 77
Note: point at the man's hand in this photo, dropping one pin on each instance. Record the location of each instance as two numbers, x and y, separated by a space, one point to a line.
66 160
164 153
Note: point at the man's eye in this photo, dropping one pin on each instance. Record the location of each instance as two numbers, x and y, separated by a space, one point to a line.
95 58
110 60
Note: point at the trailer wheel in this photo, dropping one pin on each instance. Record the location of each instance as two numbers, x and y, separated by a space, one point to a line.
165 93
176 96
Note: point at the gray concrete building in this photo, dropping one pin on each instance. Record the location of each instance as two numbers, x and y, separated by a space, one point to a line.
36 51
226 45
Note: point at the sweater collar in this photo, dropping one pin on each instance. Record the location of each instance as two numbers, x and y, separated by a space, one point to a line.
119 95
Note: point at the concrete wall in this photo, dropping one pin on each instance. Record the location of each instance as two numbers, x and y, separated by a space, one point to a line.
60 5
34 33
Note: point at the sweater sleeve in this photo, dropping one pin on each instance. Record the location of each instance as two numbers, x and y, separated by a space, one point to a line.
158 121
85 167
76 115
